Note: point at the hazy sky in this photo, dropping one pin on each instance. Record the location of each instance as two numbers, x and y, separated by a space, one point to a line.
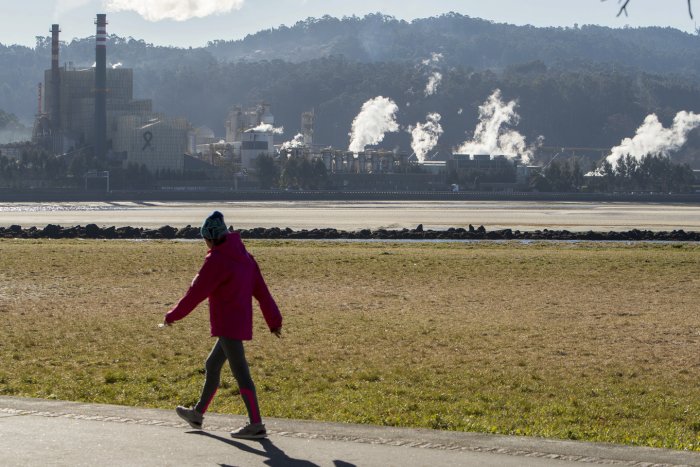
22 20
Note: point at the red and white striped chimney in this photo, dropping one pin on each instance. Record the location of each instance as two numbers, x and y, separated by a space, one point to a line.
101 87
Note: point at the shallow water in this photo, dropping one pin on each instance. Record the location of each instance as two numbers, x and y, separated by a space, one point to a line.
522 215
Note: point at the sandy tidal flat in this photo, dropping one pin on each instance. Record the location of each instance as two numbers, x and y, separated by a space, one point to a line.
359 215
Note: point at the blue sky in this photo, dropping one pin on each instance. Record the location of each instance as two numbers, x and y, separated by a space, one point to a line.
21 21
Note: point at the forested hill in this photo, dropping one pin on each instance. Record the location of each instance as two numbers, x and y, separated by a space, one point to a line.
587 86
468 42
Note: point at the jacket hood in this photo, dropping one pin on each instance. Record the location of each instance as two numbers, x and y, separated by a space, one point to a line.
233 247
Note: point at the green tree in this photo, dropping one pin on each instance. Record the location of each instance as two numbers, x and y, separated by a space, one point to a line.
651 173
561 176
267 170
291 171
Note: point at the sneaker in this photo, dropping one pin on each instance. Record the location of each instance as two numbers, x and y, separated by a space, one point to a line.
250 431
191 416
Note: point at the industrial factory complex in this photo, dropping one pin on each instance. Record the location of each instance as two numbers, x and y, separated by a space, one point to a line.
93 110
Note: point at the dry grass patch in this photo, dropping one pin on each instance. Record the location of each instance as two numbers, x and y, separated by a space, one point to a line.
580 341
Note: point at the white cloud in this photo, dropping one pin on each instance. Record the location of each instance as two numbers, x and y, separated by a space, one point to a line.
178 10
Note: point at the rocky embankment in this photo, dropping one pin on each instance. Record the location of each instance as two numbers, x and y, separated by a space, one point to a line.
93 231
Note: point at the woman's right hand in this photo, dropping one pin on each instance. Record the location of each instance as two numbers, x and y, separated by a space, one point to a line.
277 331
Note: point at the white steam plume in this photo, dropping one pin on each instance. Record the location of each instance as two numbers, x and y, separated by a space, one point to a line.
424 136
435 76
178 10
376 118
267 128
297 142
490 136
651 138
433 83
433 60
117 65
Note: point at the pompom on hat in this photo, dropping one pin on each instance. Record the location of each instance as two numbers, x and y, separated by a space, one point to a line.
214 226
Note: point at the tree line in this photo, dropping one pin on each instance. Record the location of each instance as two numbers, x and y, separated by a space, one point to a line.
36 168
291 173
649 174
652 173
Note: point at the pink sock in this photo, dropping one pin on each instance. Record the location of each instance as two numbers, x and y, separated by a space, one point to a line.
249 397
206 406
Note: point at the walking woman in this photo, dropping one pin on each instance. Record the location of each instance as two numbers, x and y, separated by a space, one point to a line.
230 278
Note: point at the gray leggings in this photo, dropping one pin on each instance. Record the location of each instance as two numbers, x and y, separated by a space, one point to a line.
231 350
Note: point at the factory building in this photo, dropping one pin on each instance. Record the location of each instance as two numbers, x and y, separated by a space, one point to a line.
204 135
253 143
249 133
336 161
95 107
239 120
478 161
153 140
307 127
76 102
485 171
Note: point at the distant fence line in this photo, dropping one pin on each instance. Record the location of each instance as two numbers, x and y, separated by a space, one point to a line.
275 195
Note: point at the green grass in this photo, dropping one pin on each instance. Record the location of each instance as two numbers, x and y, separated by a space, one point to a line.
595 342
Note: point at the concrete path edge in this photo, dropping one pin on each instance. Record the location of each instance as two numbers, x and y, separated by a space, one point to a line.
413 438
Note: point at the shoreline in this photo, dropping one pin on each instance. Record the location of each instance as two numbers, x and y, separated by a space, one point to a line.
93 231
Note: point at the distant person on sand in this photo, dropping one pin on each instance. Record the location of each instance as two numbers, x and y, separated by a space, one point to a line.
230 278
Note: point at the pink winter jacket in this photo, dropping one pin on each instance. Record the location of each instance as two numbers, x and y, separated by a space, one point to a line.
230 277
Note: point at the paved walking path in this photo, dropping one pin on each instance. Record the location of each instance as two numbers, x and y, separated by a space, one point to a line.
42 432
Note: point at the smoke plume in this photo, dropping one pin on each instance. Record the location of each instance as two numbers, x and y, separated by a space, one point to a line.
424 136
435 76
490 136
178 10
376 118
433 83
297 142
267 128
433 60
651 138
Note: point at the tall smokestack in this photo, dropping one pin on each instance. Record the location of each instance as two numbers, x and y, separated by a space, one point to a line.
101 87
55 81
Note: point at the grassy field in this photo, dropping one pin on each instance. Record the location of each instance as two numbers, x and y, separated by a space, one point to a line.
578 341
